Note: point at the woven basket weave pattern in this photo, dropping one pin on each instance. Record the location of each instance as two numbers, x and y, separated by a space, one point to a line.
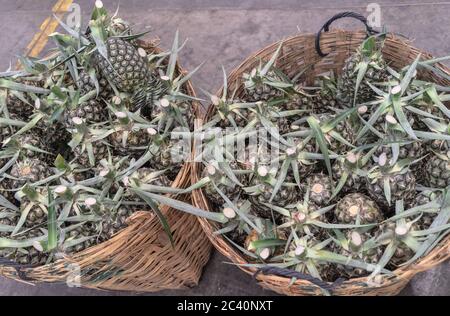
298 55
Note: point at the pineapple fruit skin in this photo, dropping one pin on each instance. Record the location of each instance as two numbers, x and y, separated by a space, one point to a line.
320 188
92 111
356 204
347 83
438 172
125 68
403 187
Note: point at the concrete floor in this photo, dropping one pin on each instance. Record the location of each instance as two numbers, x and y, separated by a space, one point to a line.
223 32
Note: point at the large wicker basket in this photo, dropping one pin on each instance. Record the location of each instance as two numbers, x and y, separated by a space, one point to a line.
298 53
139 258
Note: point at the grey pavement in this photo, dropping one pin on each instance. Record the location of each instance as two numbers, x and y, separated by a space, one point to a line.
224 32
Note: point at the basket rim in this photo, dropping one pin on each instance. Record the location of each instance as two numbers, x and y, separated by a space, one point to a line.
402 274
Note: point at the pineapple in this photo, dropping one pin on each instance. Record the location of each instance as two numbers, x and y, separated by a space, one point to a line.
400 180
342 129
286 195
423 198
92 111
320 101
28 171
301 218
356 246
22 143
88 229
390 232
321 187
99 150
31 255
261 191
258 88
8 220
168 153
368 54
223 183
87 84
412 150
146 99
54 138
36 217
16 105
125 67
356 205
351 165
437 170
125 141
5 133
231 114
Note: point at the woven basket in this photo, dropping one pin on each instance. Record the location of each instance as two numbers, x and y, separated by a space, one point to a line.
140 257
298 53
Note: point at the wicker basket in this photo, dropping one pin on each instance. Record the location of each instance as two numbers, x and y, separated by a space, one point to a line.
140 257
298 53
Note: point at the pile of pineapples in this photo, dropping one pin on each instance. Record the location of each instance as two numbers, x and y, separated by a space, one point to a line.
85 139
351 176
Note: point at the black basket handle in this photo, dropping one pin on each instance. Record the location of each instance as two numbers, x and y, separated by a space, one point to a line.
300 276
326 27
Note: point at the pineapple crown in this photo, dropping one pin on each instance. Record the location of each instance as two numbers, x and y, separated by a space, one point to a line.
266 74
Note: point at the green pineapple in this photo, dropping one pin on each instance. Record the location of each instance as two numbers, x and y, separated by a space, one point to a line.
258 86
9 219
261 188
87 84
147 98
398 178
338 132
29 145
36 217
222 182
167 153
321 188
92 111
359 246
20 103
28 171
413 150
369 61
303 219
356 206
128 141
391 232
30 255
83 236
318 101
351 167
437 170
99 151
125 67
423 198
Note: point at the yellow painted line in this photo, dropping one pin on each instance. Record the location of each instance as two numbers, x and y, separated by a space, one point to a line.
49 26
